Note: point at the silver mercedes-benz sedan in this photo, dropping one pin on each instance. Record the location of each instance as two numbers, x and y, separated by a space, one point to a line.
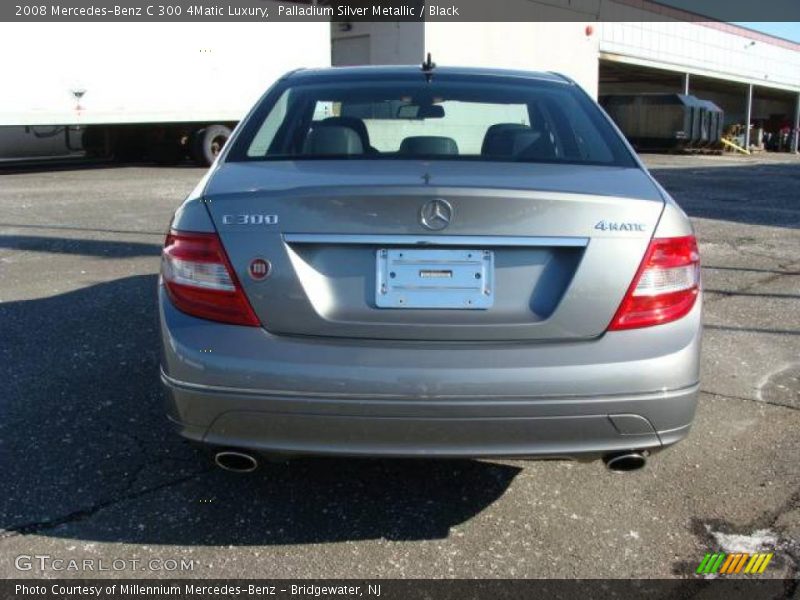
430 262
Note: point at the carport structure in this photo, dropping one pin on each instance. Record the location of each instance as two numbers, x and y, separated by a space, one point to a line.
753 77
750 75
742 102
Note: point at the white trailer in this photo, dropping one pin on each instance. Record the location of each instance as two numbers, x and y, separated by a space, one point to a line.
128 90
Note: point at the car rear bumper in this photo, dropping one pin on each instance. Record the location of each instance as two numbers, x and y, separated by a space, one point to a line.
243 387
565 427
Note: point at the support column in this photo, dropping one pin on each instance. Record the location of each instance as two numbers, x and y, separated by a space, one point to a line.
796 132
748 117
686 78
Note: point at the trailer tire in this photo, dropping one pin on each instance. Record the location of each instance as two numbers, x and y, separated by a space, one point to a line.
208 143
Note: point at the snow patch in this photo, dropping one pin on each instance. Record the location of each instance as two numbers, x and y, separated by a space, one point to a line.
758 541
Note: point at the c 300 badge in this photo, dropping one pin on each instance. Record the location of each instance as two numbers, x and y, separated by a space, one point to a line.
248 219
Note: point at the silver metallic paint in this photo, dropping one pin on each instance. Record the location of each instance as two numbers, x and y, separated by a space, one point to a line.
561 385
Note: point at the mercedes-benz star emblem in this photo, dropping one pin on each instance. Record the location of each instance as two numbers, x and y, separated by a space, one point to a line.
436 214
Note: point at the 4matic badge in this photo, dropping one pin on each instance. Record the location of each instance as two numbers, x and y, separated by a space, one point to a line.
616 226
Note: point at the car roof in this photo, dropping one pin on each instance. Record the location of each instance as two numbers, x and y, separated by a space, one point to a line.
395 72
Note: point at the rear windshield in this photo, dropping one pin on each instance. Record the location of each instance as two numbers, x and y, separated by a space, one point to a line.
530 121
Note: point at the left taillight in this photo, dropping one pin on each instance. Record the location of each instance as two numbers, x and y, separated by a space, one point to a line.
665 287
200 280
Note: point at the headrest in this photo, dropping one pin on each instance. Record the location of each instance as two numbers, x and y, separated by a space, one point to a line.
539 146
422 145
503 139
332 140
353 123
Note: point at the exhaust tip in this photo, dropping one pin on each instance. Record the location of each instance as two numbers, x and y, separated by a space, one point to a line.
626 462
237 462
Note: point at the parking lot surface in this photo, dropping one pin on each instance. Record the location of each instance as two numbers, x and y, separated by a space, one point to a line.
91 470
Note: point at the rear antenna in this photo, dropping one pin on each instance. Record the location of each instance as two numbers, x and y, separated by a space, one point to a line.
427 68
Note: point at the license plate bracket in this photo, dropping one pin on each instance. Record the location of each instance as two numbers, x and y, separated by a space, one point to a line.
431 278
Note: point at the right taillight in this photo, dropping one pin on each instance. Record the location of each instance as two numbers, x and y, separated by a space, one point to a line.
665 287
200 280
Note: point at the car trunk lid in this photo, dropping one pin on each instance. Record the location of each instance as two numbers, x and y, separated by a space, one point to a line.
564 243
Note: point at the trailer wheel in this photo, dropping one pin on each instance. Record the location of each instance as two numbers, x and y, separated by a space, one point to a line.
208 143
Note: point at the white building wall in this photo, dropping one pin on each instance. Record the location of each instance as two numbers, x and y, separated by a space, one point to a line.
679 46
564 47
385 43
702 50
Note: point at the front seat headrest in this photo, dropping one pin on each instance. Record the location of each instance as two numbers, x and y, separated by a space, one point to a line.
499 139
353 123
332 140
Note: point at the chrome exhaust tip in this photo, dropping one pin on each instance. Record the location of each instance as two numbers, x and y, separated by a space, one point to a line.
625 462
237 462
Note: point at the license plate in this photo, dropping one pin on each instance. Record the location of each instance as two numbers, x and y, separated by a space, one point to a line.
452 279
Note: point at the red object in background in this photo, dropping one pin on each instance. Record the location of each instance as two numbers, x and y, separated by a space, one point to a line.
589 30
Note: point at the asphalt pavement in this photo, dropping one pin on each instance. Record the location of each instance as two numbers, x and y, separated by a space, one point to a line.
91 471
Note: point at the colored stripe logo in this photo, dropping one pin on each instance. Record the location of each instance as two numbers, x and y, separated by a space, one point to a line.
738 562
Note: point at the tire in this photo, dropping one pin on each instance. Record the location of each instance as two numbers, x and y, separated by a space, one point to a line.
208 143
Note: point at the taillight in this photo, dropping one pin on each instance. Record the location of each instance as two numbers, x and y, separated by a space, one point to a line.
200 280
665 287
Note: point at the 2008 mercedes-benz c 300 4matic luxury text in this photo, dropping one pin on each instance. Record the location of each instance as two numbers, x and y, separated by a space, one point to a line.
435 262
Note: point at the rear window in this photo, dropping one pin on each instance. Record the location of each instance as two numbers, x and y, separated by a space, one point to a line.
530 121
